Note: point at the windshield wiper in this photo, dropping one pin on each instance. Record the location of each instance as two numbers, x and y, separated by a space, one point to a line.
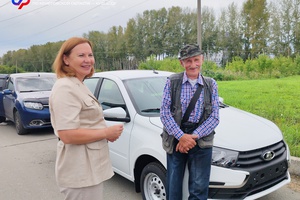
151 110
222 105
28 91
35 90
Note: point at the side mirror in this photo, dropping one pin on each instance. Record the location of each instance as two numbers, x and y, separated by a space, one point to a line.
117 114
7 92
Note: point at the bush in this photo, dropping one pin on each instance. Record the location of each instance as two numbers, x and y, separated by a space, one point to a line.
263 67
10 70
168 64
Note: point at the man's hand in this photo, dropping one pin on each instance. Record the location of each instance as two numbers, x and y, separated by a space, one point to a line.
186 142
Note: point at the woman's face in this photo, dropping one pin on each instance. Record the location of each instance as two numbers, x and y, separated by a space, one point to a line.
81 59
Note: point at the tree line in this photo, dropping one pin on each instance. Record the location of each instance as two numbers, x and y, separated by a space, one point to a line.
257 28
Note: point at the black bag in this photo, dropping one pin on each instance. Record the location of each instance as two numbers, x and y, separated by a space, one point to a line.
188 127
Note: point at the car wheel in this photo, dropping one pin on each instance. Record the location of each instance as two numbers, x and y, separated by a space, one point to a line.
2 119
153 181
19 125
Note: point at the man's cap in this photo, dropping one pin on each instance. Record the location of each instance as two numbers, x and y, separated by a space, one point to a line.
189 50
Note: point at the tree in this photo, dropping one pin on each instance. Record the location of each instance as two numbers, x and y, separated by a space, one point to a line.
99 41
275 39
209 30
173 32
255 27
229 39
296 27
189 26
286 26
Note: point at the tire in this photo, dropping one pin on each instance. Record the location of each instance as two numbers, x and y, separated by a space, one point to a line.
19 125
153 182
2 119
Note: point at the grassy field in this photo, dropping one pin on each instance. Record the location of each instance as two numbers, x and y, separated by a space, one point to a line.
275 99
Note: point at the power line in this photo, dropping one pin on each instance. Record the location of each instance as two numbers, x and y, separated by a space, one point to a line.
21 38
4 4
103 18
71 19
112 15
4 20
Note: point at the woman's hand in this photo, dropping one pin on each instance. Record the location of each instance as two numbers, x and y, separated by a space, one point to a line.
114 132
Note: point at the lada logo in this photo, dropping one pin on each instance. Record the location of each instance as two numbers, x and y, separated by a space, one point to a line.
268 155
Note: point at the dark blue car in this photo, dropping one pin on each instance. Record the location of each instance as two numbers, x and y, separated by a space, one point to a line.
26 100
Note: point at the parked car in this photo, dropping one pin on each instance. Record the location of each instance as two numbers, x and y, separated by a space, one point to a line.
250 158
3 78
25 100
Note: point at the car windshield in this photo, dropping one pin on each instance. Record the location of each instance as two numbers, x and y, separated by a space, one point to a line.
35 84
146 93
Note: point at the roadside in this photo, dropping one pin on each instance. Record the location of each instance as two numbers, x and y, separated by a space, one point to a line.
295 183
295 166
295 174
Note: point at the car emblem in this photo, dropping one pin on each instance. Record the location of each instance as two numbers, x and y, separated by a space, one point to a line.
268 155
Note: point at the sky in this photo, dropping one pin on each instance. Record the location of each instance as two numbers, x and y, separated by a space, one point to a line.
24 23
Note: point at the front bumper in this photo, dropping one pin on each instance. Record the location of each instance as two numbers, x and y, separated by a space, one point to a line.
32 119
257 183
251 177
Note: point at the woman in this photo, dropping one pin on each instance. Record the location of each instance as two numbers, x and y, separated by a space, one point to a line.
82 162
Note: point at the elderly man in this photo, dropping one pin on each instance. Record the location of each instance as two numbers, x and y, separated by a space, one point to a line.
189 113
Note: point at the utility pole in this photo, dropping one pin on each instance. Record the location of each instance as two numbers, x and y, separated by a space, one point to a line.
199 35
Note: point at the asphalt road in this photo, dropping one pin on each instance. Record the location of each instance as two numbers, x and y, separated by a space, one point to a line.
27 170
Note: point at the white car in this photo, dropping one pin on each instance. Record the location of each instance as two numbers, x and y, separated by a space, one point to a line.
250 157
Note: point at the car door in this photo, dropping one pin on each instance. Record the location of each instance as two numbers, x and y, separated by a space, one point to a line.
3 79
110 96
9 100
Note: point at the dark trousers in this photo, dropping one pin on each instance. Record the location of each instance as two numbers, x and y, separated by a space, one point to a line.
198 161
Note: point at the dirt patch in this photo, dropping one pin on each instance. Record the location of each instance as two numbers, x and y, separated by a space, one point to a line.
295 183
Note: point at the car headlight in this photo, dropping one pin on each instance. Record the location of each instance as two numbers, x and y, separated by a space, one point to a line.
33 105
224 157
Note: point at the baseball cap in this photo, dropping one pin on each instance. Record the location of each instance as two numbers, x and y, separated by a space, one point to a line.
189 50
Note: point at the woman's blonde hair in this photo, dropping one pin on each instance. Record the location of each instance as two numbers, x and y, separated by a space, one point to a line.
59 66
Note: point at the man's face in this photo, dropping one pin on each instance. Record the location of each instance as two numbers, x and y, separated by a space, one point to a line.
192 66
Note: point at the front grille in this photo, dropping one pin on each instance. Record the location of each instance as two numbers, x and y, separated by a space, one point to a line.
254 158
262 174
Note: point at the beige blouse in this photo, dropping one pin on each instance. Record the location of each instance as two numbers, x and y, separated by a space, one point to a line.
73 106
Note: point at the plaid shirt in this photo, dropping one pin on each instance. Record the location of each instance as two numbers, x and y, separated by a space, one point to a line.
187 92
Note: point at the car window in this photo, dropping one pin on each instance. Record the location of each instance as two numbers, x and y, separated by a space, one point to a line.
91 83
146 93
110 95
33 84
10 85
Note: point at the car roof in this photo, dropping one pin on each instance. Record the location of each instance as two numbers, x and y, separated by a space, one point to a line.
32 74
131 74
4 75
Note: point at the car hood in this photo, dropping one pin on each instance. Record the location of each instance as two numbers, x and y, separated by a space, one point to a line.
241 131
42 96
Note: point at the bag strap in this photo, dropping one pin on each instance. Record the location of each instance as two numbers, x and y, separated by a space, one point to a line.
192 104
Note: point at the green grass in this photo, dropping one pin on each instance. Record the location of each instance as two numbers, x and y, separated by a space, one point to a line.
275 99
